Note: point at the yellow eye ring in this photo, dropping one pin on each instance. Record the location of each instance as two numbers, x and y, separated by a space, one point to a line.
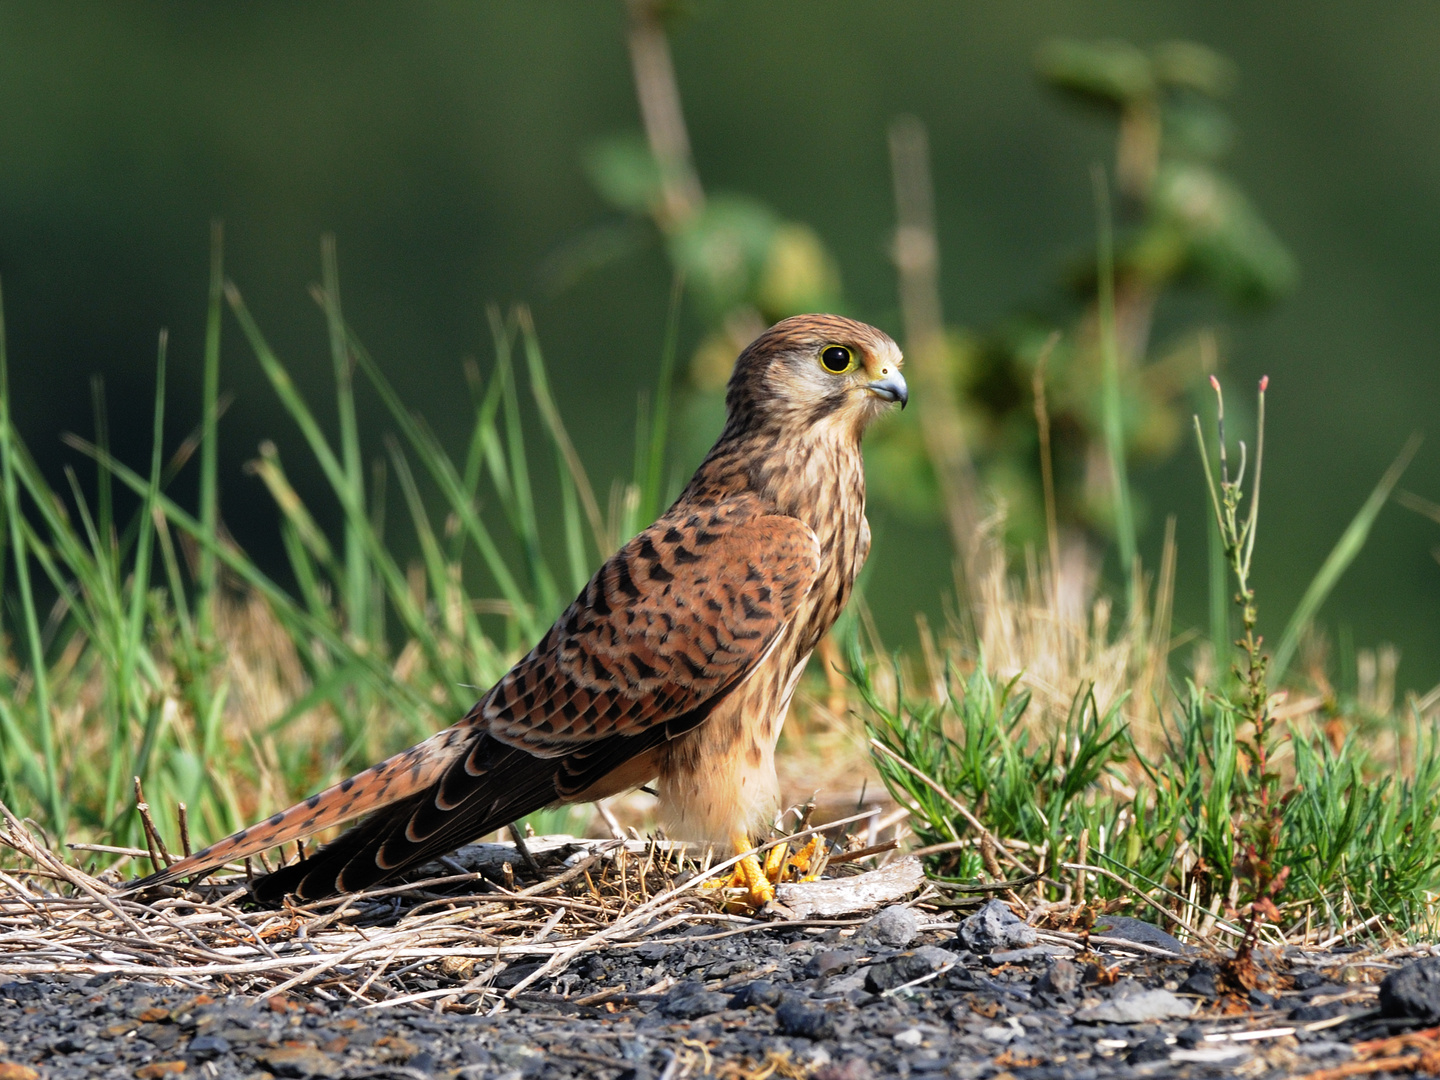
837 359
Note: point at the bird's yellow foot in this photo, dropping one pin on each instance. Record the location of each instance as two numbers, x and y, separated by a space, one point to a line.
749 886
759 880
803 865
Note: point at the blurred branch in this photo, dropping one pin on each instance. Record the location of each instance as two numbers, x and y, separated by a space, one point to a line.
662 115
917 258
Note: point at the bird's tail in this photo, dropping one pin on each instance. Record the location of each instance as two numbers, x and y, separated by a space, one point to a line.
403 776
492 786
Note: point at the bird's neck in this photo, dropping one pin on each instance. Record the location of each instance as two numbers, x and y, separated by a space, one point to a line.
815 473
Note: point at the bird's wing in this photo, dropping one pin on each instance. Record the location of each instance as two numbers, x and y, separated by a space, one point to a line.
669 624
679 613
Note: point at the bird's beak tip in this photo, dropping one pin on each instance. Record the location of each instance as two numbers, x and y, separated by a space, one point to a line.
892 388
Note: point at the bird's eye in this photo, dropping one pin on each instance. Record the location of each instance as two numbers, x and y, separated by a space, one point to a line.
837 359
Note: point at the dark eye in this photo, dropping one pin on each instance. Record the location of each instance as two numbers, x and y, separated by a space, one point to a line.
837 359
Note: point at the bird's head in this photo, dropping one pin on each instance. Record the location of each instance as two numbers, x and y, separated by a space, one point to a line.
814 369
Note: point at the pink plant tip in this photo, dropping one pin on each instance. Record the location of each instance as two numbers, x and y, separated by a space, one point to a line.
1264 382
1215 383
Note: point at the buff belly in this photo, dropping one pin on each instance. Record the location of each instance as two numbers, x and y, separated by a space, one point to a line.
719 780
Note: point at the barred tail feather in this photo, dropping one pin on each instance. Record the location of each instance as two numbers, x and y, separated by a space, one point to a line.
395 779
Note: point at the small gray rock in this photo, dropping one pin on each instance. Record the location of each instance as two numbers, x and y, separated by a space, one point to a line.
845 984
1024 956
1061 977
208 1047
895 926
1137 930
1142 1008
1324 1048
910 1038
302 1062
855 1068
993 927
1413 991
829 962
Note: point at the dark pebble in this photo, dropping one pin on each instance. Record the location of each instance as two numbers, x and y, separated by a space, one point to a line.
1200 981
907 967
795 1017
690 1001
1307 980
1152 1049
759 992
1188 1038
1308 1014
1260 999
1413 991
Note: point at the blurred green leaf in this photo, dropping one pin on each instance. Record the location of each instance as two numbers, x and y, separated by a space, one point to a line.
1189 65
1196 128
1105 72
624 172
723 250
1226 241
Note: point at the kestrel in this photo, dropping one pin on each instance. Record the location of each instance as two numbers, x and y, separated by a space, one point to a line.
676 663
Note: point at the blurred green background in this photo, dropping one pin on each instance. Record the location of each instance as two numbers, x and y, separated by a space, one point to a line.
443 143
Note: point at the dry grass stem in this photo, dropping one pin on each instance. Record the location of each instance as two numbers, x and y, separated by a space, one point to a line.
406 944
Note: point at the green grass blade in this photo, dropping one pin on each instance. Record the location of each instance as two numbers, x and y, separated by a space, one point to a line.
1339 560
357 573
452 486
299 621
104 496
527 524
1111 401
358 523
131 696
272 474
50 797
540 388
210 438
430 552
651 494
1219 595
574 534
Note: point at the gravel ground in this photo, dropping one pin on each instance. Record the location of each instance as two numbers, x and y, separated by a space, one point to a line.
883 999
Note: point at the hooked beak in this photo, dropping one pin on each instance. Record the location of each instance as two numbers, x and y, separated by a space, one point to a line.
892 388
